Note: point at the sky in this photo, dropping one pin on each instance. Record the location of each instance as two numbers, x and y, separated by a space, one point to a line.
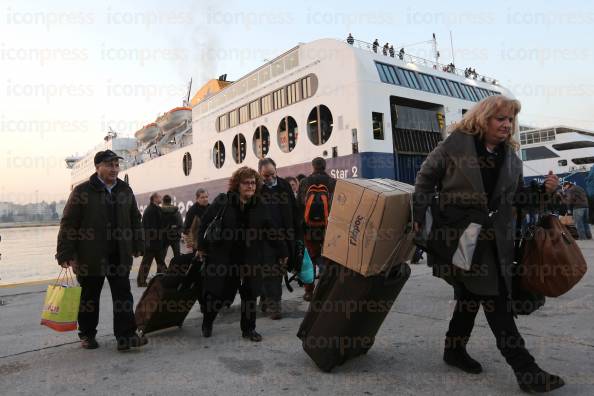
69 70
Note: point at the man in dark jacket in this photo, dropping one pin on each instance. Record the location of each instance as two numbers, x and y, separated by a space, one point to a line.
314 235
172 226
153 238
279 200
197 209
99 233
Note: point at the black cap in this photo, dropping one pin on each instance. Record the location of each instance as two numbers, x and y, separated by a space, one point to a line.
106 155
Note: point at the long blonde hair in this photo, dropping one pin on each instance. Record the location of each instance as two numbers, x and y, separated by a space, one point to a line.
475 121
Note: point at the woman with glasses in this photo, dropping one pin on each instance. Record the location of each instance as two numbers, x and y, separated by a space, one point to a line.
248 242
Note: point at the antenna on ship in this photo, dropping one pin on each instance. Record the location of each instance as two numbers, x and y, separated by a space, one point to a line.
435 51
452 45
187 100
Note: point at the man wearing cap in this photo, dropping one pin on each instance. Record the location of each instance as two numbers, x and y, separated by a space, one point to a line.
99 233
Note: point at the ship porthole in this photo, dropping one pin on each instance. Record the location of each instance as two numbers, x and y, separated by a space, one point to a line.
239 148
319 125
287 134
218 154
126 179
187 164
261 142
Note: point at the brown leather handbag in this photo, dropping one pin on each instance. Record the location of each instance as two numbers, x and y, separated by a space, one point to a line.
552 263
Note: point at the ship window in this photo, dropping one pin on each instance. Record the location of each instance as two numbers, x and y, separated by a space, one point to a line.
562 162
267 104
279 98
483 93
429 83
244 114
389 73
443 86
253 81
294 92
278 67
456 90
238 150
583 160
287 134
264 75
319 125
187 164
410 78
261 142
223 122
255 109
378 125
537 153
291 60
572 145
233 119
467 92
307 88
392 72
380 70
218 154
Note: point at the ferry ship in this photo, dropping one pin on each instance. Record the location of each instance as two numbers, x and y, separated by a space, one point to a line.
567 151
369 113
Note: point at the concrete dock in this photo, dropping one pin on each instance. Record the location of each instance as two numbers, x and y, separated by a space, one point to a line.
406 358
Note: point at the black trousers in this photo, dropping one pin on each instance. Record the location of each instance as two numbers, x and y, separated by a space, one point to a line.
272 285
124 324
174 243
249 296
500 319
147 261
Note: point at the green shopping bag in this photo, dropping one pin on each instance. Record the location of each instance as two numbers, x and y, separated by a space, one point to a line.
62 300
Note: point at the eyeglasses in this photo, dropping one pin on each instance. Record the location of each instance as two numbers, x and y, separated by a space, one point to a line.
249 183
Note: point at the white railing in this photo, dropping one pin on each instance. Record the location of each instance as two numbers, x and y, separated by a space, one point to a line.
379 49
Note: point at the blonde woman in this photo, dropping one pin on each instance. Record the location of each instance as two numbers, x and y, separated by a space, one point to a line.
479 176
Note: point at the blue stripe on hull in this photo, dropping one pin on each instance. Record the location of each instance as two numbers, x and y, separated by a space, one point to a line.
367 165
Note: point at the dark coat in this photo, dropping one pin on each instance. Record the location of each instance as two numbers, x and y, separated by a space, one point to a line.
250 245
151 223
196 210
171 222
453 165
290 222
84 235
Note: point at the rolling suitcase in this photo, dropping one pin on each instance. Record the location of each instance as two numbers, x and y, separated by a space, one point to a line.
346 312
169 297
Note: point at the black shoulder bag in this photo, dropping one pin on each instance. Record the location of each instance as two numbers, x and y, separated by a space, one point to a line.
214 230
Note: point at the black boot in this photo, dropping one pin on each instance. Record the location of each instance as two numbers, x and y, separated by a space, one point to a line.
455 355
207 322
206 330
533 379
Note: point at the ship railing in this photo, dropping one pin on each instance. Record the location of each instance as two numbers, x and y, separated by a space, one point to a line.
416 60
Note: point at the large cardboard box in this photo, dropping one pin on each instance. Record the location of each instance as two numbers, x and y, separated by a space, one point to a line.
369 226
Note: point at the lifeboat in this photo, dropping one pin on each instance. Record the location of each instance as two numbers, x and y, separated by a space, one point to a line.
174 118
147 132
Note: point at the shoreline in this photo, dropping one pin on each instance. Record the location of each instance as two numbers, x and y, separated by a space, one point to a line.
28 283
28 224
